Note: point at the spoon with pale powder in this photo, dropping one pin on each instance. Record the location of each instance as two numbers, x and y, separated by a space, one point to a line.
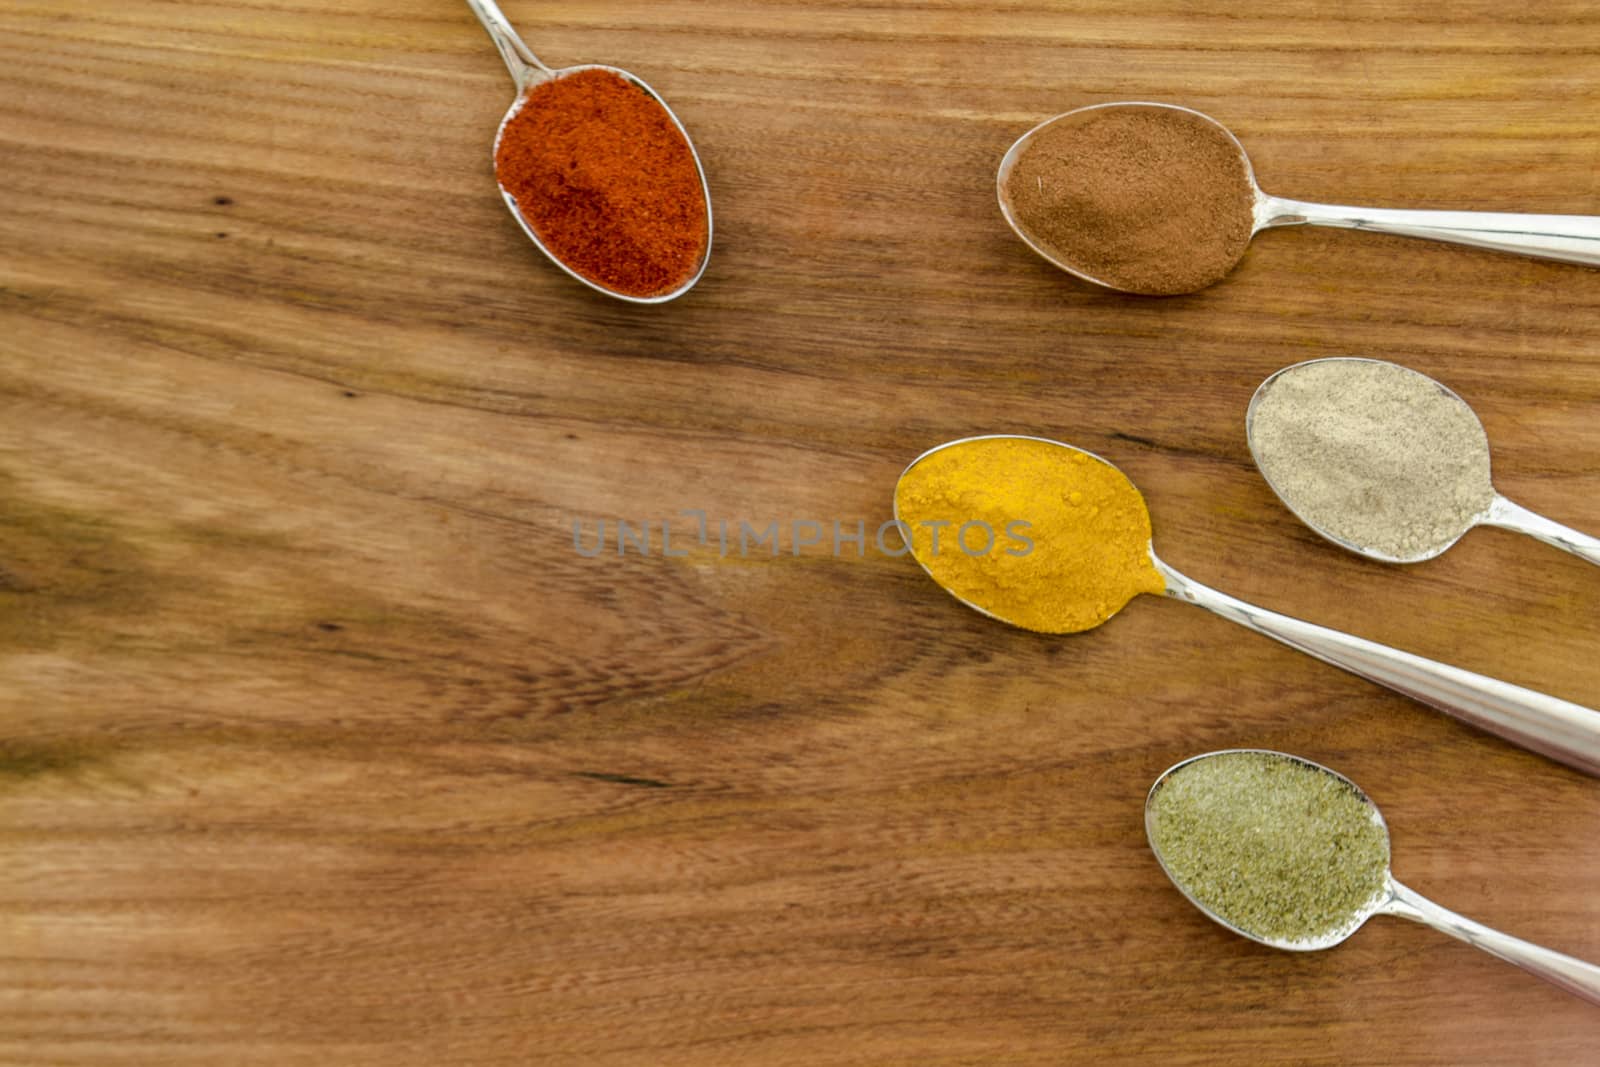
1158 199
1051 538
1291 854
1384 461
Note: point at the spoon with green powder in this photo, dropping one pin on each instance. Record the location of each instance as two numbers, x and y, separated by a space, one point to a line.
1384 461
1288 853
1158 199
1054 539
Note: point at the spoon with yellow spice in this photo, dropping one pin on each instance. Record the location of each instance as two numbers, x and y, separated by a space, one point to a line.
1051 538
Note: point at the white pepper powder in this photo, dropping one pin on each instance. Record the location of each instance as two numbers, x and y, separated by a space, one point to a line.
1373 454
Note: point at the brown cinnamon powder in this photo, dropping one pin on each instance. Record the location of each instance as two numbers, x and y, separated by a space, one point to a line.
1145 198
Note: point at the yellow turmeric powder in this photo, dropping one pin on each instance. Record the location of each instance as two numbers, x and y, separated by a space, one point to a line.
1071 535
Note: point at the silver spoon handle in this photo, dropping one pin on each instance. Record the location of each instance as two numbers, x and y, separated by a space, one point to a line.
520 60
1574 238
1572 974
1566 732
1511 516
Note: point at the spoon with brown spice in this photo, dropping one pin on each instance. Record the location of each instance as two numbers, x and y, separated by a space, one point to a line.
1293 855
1158 199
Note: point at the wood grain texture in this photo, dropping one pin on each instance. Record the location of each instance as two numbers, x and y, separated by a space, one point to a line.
319 743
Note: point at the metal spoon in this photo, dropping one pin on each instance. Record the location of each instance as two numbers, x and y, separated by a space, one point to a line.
1566 732
1499 512
1573 238
527 72
1574 975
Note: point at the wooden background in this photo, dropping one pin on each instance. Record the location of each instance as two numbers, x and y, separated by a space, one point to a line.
319 744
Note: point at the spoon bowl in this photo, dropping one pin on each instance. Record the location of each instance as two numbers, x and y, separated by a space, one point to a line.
1576 976
1337 460
1562 730
1010 210
1113 604
1354 919
528 73
1570 238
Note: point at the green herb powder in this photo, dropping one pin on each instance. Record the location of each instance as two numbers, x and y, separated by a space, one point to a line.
1278 849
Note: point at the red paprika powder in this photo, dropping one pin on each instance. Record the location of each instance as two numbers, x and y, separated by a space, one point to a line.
607 180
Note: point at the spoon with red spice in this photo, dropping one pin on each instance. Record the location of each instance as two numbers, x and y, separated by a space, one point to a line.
600 174
1160 200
